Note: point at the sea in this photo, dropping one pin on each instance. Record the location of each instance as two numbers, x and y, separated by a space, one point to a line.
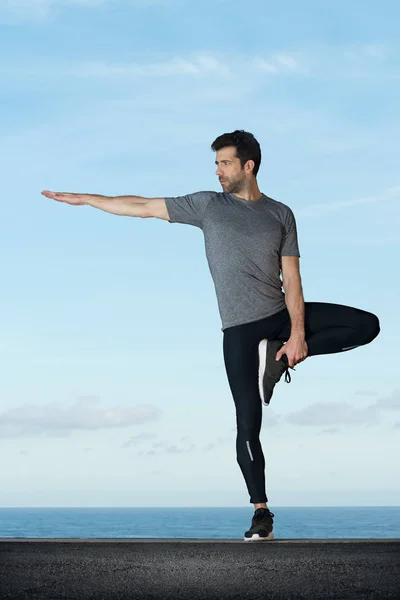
380 522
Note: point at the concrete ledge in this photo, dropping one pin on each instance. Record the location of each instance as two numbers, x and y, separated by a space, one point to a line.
196 541
192 569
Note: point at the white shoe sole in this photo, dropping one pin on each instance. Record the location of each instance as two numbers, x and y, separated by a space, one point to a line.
262 362
256 538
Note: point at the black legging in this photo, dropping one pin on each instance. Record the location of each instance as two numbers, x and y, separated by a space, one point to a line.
329 328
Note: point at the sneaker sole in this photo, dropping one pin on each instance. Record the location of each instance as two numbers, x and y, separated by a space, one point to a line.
262 355
256 538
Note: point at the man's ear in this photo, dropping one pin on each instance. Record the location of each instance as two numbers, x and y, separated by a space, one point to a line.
249 166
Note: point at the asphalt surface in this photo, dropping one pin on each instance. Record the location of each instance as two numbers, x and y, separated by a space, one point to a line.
183 569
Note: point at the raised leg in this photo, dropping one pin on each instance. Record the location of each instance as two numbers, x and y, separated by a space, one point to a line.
332 328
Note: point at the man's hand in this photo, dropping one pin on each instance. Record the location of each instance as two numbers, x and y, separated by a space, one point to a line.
76 199
296 350
126 206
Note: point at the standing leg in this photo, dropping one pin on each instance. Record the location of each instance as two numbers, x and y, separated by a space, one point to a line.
332 328
241 363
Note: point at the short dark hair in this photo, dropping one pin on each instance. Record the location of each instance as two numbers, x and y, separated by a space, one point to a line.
247 147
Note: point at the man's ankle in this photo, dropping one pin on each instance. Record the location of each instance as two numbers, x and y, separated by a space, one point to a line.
260 505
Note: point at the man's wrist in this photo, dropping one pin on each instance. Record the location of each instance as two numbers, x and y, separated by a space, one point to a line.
298 334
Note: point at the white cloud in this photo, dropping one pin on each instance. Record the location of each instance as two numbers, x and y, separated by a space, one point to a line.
329 430
320 414
374 50
39 10
392 402
390 193
219 441
279 63
365 51
161 447
57 420
164 447
136 440
199 65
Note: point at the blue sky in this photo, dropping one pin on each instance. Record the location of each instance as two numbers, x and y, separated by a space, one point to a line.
113 389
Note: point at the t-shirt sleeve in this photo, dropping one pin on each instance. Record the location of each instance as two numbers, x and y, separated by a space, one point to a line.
290 243
189 209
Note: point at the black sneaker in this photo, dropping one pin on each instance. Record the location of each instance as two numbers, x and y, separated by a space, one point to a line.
261 526
271 370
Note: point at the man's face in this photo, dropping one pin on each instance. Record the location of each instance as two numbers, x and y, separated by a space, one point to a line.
229 171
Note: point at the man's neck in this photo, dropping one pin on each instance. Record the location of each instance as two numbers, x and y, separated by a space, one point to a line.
251 194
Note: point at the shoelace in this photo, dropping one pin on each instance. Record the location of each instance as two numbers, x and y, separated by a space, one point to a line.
262 513
288 378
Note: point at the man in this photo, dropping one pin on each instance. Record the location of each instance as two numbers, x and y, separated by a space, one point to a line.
250 240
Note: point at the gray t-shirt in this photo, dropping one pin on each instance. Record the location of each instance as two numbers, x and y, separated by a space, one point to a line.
244 241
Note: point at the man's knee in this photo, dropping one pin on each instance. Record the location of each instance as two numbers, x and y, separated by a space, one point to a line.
370 327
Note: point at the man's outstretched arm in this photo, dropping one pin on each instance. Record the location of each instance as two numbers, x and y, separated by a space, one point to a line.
127 206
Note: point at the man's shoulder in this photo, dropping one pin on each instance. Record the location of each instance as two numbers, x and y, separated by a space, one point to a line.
279 207
203 197
207 193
